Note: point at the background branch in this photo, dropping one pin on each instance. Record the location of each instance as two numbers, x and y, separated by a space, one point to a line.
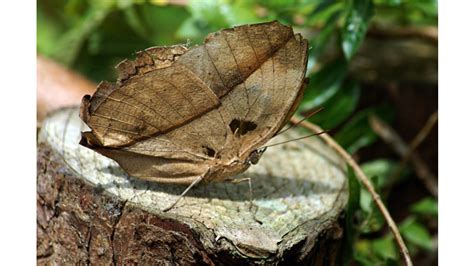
390 136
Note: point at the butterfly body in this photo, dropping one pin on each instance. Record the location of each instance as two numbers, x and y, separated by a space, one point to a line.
176 115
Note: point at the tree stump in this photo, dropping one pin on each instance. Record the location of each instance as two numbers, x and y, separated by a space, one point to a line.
90 212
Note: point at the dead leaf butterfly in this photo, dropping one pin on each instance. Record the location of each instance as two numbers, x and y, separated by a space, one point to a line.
181 115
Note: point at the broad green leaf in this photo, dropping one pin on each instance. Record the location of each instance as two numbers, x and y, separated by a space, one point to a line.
363 252
240 12
320 42
366 201
387 2
426 206
69 45
351 209
285 9
48 31
355 26
373 220
385 248
279 4
382 168
109 44
209 13
339 107
429 7
354 192
210 16
324 84
160 23
189 29
135 21
416 233
357 133
376 252
123 4
324 11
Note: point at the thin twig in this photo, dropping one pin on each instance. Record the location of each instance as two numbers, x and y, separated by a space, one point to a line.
407 152
365 181
425 175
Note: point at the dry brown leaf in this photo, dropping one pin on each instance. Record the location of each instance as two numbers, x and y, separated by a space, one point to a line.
176 115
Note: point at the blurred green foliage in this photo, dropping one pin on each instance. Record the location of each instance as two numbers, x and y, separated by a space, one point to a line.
93 36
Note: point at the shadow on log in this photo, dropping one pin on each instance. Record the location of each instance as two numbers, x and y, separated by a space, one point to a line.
90 211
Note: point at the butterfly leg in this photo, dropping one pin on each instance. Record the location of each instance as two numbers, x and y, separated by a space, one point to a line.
194 183
249 180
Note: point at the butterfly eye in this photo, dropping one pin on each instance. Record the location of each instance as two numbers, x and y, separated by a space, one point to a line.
254 157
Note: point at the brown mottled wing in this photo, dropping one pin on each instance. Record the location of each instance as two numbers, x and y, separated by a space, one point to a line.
279 88
144 101
257 108
264 97
152 128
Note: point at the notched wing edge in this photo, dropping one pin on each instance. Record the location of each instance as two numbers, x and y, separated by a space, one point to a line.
150 59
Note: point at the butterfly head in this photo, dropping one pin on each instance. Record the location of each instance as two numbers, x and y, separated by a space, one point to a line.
255 155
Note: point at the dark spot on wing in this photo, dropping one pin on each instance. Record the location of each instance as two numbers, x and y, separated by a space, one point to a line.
209 152
241 127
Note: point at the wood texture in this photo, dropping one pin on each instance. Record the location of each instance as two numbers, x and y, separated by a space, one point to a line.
90 211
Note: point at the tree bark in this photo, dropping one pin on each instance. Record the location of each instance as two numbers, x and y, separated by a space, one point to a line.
90 212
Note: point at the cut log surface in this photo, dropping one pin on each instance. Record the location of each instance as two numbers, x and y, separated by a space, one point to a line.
90 211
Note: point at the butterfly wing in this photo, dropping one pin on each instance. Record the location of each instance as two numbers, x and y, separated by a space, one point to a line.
270 95
213 100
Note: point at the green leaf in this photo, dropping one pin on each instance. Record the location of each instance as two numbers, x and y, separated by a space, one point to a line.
160 23
388 2
354 192
369 253
381 168
285 10
49 29
190 30
385 248
416 233
279 4
135 21
324 84
351 208
363 252
426 206
327 89
339 107
320 42
373 220
209 13
240 12
355 26
69 45
357 133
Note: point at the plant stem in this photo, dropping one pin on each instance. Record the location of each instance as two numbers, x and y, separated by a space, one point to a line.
365 181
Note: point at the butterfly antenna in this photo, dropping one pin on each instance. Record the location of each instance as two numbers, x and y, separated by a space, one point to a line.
303 119
312 135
